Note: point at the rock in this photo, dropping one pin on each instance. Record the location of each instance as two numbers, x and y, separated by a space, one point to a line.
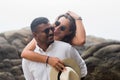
92 40
3 41
16 70
16 62
24 35
9 52
89 52
20 77
91 63
7 63
1 66
18 44
103 61
107 51
9 34
6 76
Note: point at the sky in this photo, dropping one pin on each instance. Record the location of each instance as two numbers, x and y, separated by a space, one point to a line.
101 18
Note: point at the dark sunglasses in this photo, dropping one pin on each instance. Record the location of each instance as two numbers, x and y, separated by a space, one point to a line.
62 28
48 30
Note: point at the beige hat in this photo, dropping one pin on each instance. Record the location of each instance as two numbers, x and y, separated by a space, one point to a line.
72 71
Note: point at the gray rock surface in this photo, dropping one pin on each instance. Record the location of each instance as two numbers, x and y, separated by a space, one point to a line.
103 61
11 45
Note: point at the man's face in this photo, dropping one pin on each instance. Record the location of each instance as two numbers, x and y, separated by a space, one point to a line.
44 34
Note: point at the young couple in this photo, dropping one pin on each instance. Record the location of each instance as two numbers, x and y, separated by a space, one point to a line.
48 46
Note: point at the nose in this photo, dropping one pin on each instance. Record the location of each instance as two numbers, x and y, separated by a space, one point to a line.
56 28
50 31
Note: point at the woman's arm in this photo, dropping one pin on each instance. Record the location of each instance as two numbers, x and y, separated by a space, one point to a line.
80 35
28 53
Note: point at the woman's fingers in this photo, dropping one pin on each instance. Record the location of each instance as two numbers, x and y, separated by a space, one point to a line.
58 68
56 63
61 66
72 14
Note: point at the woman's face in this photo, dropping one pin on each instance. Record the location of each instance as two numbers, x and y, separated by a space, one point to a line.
62 29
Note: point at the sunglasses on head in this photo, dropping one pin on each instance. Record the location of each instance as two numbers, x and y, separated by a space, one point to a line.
62 28
48 30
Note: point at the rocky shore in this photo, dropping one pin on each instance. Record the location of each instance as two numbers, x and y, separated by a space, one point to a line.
101 56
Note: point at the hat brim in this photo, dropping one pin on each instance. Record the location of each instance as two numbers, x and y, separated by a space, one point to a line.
68 62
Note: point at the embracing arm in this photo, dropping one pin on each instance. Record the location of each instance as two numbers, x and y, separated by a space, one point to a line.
80 35
28 53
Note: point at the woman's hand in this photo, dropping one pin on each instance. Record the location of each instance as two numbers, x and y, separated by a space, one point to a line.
56 63
73 15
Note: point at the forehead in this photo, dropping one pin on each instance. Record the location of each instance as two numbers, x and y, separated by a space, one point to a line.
43 26
64 21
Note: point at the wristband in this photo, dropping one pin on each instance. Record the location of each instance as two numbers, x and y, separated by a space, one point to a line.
47 60
79 18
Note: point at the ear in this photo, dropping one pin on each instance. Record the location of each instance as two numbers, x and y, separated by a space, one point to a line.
34 34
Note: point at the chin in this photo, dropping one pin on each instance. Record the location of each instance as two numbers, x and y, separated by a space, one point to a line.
56 38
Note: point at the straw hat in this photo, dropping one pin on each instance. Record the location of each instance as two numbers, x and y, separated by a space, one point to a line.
72 71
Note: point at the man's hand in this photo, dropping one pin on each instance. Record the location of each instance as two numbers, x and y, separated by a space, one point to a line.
56 63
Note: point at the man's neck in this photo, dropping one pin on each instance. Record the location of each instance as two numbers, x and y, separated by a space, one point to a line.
43 46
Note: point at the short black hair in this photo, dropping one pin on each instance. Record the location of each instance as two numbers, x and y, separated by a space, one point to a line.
38 21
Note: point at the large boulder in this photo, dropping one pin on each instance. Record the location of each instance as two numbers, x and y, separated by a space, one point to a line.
3 41
6 76
103 61
8 51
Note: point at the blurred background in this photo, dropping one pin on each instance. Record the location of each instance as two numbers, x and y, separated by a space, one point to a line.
100 17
